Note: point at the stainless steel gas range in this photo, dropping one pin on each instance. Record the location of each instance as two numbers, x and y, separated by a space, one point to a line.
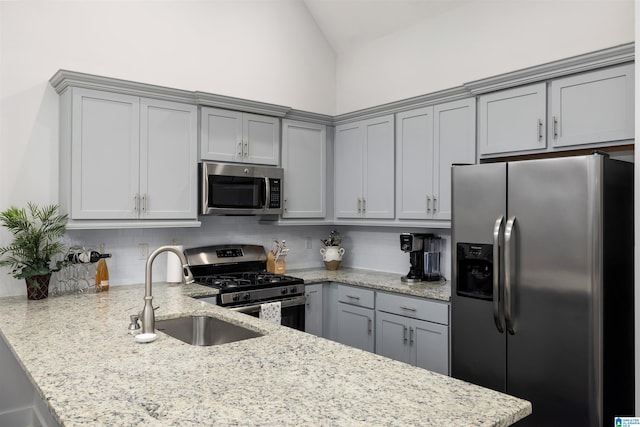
239 273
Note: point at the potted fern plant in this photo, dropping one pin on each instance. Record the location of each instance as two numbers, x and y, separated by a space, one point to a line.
36 233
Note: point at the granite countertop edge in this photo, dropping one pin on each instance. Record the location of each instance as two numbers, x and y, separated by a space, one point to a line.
377 280
84 363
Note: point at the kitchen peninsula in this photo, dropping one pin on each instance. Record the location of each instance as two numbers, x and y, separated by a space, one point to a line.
89 370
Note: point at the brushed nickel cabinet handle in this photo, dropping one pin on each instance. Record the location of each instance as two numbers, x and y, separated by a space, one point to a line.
555 127
539 130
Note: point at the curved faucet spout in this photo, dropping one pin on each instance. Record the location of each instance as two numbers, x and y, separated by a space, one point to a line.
148 315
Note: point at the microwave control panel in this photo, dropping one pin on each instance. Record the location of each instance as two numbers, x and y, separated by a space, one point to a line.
274 193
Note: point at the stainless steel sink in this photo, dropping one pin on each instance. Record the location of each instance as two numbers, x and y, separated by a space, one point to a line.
204 330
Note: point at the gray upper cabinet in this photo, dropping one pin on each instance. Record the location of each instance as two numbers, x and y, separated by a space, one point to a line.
304 154
594 107
116 150
364 169
590 109
512 120
428 141
233 136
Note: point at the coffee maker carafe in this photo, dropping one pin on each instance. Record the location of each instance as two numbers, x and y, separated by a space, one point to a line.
424 256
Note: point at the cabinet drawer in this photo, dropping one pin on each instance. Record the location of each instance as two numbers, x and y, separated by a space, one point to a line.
356 296
417 308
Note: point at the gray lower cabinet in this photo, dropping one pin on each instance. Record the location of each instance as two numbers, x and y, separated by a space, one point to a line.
413 330
313 317
355 317
409 329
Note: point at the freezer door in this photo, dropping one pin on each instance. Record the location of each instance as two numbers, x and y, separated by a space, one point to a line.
552 355
478 349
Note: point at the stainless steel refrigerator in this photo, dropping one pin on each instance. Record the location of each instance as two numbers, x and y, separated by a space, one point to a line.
542 285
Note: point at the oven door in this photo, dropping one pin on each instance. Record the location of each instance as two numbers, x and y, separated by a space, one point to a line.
292 311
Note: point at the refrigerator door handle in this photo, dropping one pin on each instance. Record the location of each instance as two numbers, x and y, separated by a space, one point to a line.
508 273
497 232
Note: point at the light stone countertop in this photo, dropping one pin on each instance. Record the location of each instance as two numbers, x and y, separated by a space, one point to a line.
87 367
377 280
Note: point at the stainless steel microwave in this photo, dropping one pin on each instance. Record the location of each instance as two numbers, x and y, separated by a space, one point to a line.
235 189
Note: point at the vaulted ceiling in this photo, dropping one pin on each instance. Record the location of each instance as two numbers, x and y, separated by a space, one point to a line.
349 23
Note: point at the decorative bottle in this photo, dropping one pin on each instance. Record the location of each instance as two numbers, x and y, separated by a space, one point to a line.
102 272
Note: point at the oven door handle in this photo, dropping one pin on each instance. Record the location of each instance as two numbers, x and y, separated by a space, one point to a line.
290 302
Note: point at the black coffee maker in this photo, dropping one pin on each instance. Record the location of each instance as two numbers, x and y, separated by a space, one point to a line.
424 256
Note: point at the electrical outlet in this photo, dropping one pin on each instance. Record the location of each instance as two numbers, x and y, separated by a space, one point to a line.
143 250
307 242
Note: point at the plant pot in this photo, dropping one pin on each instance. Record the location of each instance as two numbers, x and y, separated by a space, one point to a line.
38 287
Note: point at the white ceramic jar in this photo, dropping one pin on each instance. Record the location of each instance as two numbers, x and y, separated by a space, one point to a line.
332 256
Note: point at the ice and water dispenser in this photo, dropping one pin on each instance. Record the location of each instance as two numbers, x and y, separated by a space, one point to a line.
474 270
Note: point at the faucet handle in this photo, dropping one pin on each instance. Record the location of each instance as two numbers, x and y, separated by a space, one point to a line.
134 325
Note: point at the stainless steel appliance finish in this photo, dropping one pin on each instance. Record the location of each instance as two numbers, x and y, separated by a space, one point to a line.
424 256
236 189
205 330
238 272
542 297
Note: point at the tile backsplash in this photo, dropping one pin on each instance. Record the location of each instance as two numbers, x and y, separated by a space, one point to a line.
375 248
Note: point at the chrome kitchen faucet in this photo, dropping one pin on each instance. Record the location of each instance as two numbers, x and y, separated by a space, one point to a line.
148 314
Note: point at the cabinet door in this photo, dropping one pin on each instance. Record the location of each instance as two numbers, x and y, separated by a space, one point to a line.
430 346
512 120
104 155
355 326
392 337
455 142
314 310
304 153
348 170
414 163
378 200
261 139
221 135
593 107
168 160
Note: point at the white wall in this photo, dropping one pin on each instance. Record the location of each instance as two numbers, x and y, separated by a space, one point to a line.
263 50
475 41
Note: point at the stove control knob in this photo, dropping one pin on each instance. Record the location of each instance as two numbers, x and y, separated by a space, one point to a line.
236 298
246 296
293 290
283 291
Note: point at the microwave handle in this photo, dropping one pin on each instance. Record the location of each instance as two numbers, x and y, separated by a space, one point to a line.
267 193
204 193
